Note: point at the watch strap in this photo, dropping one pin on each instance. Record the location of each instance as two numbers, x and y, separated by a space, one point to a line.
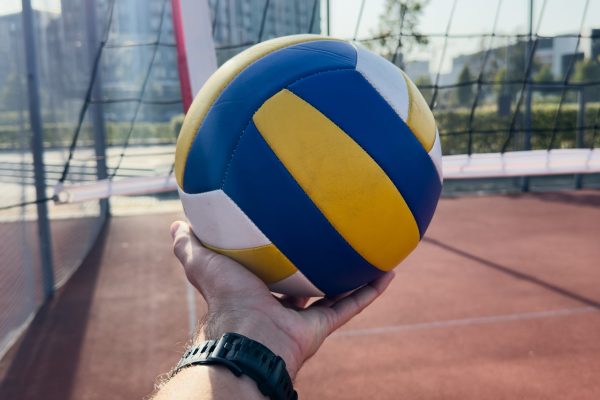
243 355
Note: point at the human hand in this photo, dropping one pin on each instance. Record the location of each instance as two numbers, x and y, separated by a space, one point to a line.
240 302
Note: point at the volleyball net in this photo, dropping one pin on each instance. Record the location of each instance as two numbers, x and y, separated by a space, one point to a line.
514 86
508 105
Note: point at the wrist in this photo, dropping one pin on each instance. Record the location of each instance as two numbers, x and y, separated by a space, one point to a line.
260 329
201 380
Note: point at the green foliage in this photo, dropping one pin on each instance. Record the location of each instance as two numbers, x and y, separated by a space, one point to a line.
500 76
176 123
496 128
422 81
59 134
588 71
398 16
513 70
544 74
464 94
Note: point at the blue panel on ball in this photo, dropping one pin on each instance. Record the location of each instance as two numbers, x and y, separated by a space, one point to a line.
263 188
349 100
228 116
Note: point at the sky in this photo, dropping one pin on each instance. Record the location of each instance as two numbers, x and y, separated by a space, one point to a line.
560 16
12 6
471 16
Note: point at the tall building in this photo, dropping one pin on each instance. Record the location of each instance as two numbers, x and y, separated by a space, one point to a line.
124 69
237 24
418 70
595 50
12 58
555 51
65 56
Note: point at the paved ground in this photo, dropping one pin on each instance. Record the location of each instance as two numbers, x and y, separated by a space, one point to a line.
501 301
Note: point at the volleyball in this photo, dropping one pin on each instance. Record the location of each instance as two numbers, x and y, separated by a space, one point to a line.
312 161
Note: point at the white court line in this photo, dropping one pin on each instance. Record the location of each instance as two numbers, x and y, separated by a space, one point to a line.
465 322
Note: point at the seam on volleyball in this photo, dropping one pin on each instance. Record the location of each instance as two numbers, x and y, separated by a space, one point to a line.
440 172
387 100
213 247
409 94
245 216
411 103
239 139
367 153
217 249
298 272
367 263
403 121
374 161
220 92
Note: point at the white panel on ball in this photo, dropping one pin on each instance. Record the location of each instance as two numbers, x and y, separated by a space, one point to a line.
296 285
219 222
385 77
436 155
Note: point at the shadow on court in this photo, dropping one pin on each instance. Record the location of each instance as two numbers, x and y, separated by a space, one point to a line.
501 301
591 200
44 362
516 274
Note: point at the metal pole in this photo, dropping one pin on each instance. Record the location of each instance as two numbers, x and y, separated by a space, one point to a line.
37 150
328 18
580 130
528 95
97 109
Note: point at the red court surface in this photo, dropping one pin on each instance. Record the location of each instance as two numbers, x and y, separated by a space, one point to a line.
501 301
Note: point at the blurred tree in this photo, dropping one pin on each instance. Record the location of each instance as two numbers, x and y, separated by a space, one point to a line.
544 74
464 93
503 93
424 84
500 78
510 74
397 31
588 71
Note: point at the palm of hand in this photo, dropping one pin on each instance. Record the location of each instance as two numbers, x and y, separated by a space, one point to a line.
240 302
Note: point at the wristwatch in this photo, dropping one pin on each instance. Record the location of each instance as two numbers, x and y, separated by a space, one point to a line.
243 355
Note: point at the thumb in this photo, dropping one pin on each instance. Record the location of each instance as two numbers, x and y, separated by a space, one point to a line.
214 274
182 241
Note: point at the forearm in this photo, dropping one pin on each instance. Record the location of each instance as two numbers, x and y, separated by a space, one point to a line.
202 382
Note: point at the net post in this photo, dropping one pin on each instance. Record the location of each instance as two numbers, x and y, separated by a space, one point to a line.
97 110
328 18
37 150
528 96
579 140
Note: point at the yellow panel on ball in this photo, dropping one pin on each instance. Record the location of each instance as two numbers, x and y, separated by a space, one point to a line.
266 262
344 182
420 118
